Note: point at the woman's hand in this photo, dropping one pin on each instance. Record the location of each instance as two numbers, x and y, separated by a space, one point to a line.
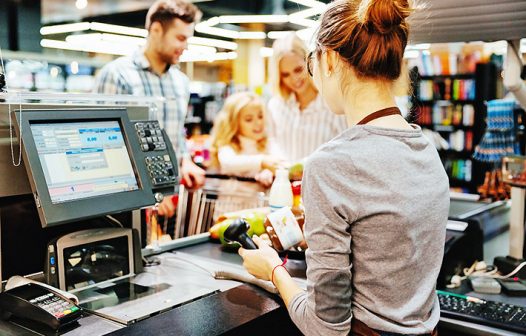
271 163
167 207
193 175
262 261
265 177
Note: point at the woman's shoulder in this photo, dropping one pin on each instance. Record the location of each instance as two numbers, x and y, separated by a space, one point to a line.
225 148
278 101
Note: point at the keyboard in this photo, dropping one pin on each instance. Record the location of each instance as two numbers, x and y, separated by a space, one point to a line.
490 313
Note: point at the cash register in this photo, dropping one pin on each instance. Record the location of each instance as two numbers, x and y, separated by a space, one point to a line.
82 165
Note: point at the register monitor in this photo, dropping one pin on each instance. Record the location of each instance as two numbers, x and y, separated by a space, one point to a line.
82 164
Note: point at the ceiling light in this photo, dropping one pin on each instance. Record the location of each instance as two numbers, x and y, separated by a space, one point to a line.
421 46
96 37
253 18
53 72
138 41
212 42
221 56
65 28
311 3
303 22
252 35
81 4
278 34
74 66
202 49
217 31
78 38
101 47
306 13
117 29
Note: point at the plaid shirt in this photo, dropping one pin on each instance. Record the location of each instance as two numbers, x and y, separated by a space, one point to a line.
133 75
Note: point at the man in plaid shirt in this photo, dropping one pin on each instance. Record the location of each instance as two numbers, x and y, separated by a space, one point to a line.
152 71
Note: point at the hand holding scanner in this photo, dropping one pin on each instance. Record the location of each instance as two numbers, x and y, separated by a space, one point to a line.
237 232
32 301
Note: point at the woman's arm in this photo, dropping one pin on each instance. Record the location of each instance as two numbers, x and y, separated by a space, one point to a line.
234 163
325 308
262 262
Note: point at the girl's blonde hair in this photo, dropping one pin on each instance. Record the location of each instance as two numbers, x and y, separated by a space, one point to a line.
226 124
291 43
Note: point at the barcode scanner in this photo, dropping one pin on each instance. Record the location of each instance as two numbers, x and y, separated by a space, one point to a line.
237 232
2 82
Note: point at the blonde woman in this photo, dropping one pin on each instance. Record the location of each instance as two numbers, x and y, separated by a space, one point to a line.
240 146
300 121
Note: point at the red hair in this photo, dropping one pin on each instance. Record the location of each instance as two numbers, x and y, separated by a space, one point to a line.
370 35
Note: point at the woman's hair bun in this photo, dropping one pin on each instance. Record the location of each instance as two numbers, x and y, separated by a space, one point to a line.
383 16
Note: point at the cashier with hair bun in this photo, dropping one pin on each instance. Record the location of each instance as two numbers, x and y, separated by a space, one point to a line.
376 197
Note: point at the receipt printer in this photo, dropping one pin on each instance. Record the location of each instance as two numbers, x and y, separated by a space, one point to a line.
462 248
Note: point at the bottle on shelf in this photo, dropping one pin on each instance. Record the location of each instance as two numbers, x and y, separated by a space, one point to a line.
284 224
297 205
280 194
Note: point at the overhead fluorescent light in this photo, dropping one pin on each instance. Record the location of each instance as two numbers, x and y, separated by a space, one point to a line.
306 13
74 66
77 38
217 31
210 22
221 56
201 49
138 41
252 35
113 45
303 22
311 3
212 42
421 46
278 34
101 47
96 37
65 28
253 18
81 4
117 29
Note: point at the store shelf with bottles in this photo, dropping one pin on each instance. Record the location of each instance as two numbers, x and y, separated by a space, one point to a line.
48 73
452 107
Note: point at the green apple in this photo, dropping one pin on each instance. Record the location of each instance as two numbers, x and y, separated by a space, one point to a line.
256 220
296 171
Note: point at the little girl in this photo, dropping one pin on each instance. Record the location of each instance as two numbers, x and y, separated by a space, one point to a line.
240 146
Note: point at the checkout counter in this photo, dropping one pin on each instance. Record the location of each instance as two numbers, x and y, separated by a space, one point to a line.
183 298
176 294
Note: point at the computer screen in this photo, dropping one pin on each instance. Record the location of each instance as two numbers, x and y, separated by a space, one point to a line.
83 163
82 160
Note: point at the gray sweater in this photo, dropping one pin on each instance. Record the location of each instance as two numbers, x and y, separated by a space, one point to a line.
376 203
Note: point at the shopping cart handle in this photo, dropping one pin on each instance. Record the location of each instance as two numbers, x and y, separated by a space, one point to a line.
230 177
